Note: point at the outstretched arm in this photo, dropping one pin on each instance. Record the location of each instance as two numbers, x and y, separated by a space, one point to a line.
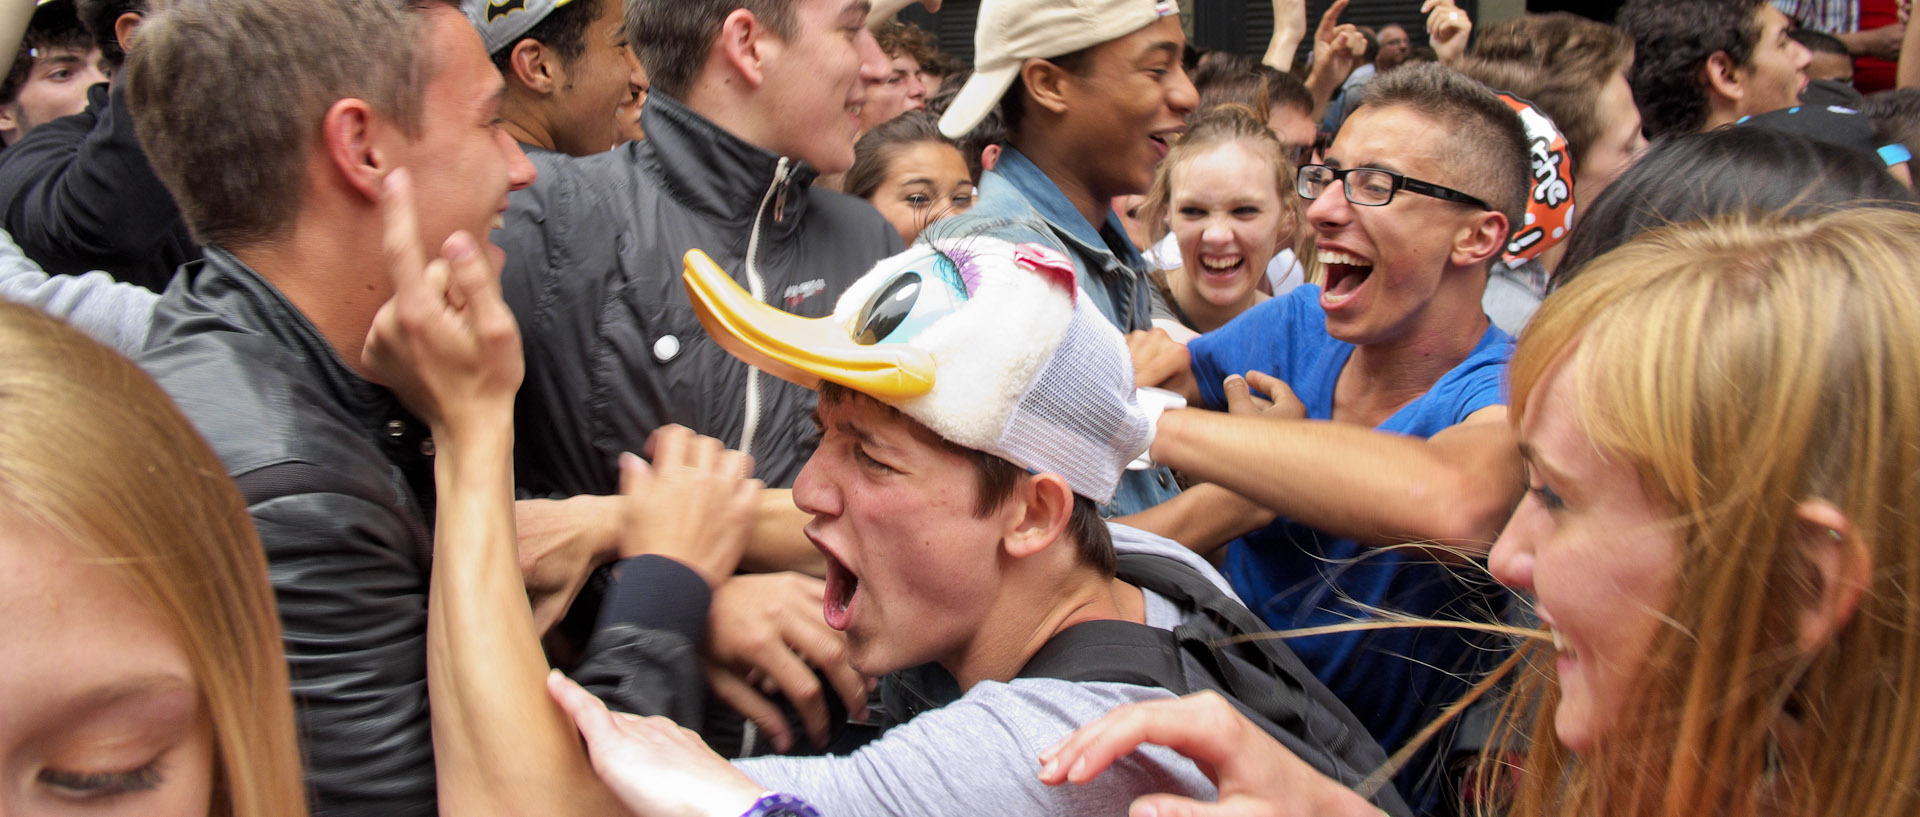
1455 488
1289 27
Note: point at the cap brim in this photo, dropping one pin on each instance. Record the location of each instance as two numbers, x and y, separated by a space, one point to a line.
799 350
976 99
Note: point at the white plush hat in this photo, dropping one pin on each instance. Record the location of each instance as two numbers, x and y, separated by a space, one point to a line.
1010 32
984 342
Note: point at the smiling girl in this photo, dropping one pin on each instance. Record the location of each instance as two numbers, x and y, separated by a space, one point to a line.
1225 192
1722 429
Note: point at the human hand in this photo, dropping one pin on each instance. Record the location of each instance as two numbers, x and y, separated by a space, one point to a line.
445 343
561 543
1329 23
656 768
1290 16
692 504
1256 776
1448 29
1159 360
768 628
1280 402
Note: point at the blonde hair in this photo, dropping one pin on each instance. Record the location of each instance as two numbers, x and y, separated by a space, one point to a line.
1744 367
94 452
1208 130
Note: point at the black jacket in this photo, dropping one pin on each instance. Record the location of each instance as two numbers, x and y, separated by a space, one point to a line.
614 351
338 477
79 195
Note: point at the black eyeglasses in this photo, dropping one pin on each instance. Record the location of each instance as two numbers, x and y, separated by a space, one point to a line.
1373 187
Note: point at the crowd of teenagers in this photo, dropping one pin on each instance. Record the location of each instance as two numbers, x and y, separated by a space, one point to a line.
743 408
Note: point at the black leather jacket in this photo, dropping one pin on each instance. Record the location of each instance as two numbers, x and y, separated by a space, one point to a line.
338 477
614 351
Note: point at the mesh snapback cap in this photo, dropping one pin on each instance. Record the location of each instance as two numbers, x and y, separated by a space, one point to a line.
985 342
1010 32
501 22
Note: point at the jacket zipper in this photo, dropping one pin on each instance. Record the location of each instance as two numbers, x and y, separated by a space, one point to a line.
777 190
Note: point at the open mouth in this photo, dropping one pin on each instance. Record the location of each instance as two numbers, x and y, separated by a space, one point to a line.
1345 274
1222 268
841 584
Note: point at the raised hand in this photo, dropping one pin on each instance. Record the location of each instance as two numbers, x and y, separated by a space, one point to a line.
1447 30
445 343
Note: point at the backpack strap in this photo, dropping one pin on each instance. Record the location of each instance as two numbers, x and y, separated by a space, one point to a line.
1109 650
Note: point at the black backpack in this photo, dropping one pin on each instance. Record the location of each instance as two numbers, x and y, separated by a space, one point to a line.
1261 677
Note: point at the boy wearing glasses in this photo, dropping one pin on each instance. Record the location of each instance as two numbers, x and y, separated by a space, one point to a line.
1385 425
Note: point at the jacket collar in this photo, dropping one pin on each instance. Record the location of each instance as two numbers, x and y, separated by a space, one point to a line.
1019 171
713 172
226 289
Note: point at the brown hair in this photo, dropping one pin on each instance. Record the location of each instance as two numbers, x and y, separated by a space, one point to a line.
995 481
231 141
672 37
898 39
1484 141
1557 61
94 452
1743 367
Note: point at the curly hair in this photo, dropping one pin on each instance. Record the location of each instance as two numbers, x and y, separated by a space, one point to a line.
1671 44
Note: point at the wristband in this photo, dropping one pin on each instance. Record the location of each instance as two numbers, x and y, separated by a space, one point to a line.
781 804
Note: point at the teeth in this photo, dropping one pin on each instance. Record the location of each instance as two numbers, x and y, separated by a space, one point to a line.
1220 263
1333 257
500 221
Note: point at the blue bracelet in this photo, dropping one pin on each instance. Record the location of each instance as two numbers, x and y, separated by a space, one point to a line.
781 804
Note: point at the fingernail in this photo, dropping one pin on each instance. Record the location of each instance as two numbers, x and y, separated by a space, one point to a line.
1048 769
628 459
1145 810
781 743
1049 752
1079 767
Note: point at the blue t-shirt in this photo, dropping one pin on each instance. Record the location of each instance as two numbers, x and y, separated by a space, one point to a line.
1395 680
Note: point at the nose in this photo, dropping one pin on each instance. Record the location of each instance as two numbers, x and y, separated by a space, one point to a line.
1182 97
1331 209
520 171
812 491
874 64
916 90
1802 56
1216 234
1511 561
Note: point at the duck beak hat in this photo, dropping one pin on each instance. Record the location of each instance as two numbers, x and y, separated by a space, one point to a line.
984 342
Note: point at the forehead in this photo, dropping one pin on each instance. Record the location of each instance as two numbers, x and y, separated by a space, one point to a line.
1229 169
462 73
1394 138
936 159
1158 37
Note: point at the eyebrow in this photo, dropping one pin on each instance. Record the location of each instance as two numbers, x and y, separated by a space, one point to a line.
1167 47
860 7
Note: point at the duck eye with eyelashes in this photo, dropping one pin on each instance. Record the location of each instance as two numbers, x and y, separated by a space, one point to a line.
910 302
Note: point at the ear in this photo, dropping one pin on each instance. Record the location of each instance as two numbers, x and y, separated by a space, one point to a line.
744 45
1046 84
1723 77
352 137
535 67
1043 504
123 28
10 117
1480 239
1840 566
989 156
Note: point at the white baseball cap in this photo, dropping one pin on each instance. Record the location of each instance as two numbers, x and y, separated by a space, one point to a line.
1010 32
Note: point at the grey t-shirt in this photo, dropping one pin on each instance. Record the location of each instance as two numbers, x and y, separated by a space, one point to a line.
980 754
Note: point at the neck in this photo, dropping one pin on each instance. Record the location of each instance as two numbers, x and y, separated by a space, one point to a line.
1381 377
727 106
337 284
522 120
1058 162
1025 618
1720 112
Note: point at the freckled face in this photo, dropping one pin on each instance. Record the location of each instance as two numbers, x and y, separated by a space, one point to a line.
1598 556
100 713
